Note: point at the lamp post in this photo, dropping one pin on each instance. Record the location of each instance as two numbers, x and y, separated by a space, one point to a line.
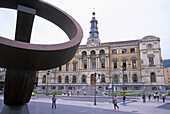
48 72
112 87
123 68
95 87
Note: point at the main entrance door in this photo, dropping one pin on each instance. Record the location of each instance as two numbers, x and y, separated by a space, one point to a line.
92 79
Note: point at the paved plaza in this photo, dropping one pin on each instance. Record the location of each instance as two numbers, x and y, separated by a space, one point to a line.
68 105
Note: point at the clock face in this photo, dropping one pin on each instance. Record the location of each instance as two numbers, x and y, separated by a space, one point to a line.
92 43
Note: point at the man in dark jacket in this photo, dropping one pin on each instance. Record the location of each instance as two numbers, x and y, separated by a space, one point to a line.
53 101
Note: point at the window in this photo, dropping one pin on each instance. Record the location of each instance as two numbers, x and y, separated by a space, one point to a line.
60 68
54 87
66 79
125 78
135 78
124 88
153 77
44 79
168 81
85 65
93 65
149 46
124 51
115 78
59 79
102 78
43 87
133 64
103 64
136 88
93 53
102 52
84 53
154 88
114 51
115 64
74 66
124 64
132 50
74 79
151 61
0 77
67 67
83 79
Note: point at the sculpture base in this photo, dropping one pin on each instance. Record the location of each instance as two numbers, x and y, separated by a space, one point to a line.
15 109
19 85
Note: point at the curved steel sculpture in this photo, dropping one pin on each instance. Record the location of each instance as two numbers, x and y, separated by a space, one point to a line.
23 59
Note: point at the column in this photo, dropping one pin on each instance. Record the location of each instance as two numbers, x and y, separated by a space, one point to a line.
89 63
106 62
96 63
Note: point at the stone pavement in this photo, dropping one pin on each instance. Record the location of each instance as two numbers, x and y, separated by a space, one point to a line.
156 107
137 106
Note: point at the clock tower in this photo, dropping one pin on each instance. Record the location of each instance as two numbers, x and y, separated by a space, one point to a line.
93 39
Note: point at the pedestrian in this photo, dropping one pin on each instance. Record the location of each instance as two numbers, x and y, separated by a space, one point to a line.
154 96
124 99
53 101
77 92
84 93
163 97
157 96
143 97
115 102
68 93
149 97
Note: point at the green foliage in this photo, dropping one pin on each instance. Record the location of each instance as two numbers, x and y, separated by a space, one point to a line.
50 93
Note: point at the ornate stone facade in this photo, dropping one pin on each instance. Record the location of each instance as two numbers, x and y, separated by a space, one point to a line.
141 58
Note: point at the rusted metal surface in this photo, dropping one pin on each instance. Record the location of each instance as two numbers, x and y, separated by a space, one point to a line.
18 86
35 56
23 59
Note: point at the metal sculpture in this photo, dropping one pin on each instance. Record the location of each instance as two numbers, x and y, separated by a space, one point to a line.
23 59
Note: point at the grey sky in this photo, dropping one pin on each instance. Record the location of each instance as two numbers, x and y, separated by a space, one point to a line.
118 20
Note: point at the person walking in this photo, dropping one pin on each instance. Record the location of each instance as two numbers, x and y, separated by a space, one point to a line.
163 97
143 97
84 93
124 98
115 102
53 101
149 97
154 96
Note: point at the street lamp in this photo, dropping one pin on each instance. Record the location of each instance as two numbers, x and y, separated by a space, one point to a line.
123 68
48 72
112 88
95 86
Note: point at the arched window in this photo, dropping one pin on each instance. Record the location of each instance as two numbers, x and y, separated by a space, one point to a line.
153 77
135 78
102 78
66 79
102 52
84 53
83 79
59 79
125 78
44 79
74 79
92 53
115 78
149 46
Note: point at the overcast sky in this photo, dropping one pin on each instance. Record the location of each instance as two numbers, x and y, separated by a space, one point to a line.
118 20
